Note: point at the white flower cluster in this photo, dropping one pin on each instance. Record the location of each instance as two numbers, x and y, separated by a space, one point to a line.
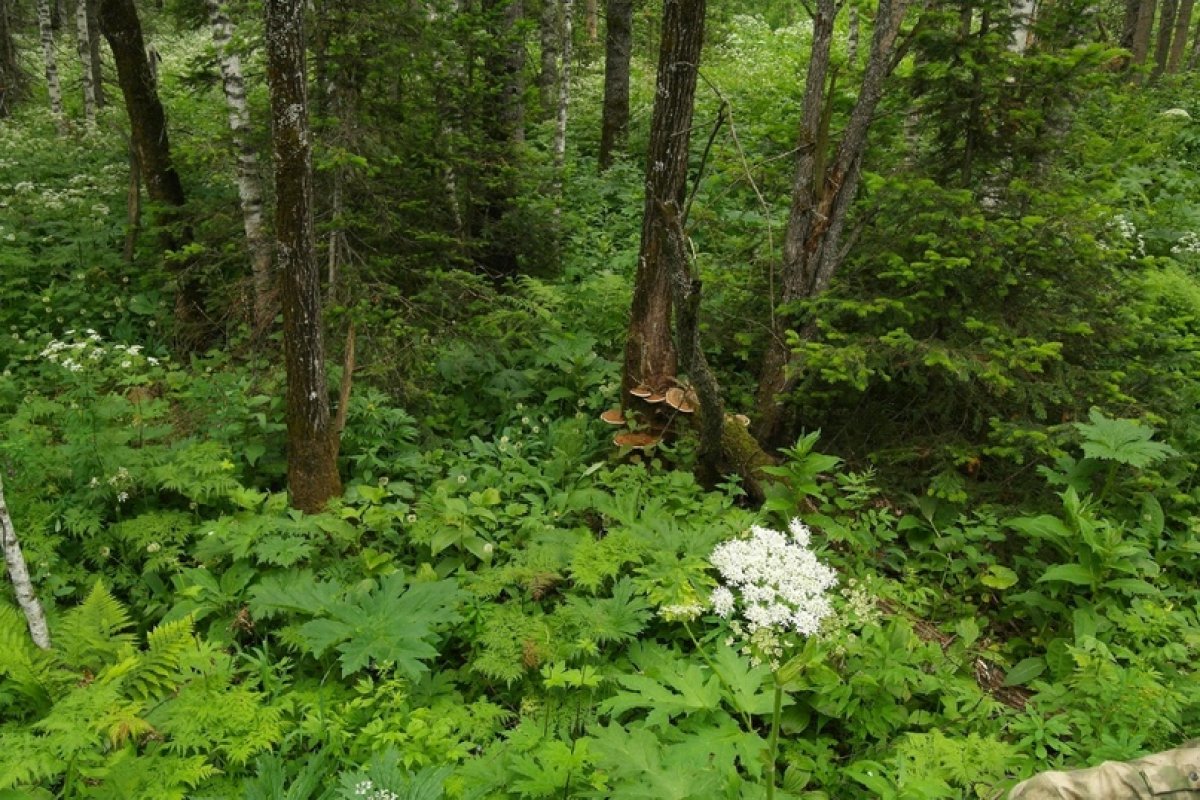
1189 243
367 789
774 580
1178 113
73 355
1124 227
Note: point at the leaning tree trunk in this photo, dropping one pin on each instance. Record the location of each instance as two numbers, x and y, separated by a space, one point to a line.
18 573
249 182
1183 22
650 357
821 196
312 441
148 132
83 47
618 45
13 80
48 55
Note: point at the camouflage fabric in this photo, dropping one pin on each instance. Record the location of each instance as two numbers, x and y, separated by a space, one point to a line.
1172 774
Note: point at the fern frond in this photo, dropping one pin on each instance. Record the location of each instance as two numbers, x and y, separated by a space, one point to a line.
92 634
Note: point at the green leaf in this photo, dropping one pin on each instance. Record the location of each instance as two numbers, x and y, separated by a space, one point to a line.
1068 573
1024 671
1126 441
998 577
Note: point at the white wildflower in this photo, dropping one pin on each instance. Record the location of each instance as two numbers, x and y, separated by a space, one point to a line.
122 497
683 612
775 582
153 547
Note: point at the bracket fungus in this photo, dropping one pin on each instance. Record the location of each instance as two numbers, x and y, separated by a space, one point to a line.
635 440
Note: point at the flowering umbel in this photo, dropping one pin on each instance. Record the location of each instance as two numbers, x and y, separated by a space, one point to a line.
773 582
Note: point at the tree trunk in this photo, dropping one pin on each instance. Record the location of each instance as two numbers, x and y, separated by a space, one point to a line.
148 132
49 56
83 47
821 196
1023 12
504 133
564 90
1183 22
1166 28
93 7
852 36
312 442
18 573
591 19
1129 23
13 80
550 29
650 357
618 45
249 182
1143 24
1194 58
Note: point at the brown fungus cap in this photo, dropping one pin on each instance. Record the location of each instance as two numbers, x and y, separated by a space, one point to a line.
635 440
614 416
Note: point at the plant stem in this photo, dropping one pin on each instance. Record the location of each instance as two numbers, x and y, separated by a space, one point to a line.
774 741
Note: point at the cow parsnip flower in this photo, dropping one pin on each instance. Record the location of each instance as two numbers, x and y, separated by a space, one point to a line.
772 582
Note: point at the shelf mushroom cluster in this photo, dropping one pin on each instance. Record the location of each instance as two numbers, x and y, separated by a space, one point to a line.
680 399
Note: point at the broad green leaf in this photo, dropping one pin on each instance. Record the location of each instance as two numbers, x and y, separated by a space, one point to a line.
1024 671
1068 573
998 577
1126 441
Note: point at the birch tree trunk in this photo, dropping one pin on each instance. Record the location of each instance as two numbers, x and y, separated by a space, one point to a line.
852 36
48 55
650 357
18 573
564 91
312 441
83 47
249 181
1183 22
821 195
148 132
618 45
1023 11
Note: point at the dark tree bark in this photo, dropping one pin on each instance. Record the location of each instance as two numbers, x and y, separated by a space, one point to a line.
1143 25
1166 28
504 134
93 10
148 133
821 196
312 440
650 357
591 19
618 45
14 83
1183 22
550 29
1129 23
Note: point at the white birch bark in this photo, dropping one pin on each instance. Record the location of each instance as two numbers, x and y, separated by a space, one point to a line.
564 88
1023 11
249 182
18 573
52 84
84 48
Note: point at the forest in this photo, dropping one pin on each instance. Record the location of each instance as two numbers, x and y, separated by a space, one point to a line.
539 399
